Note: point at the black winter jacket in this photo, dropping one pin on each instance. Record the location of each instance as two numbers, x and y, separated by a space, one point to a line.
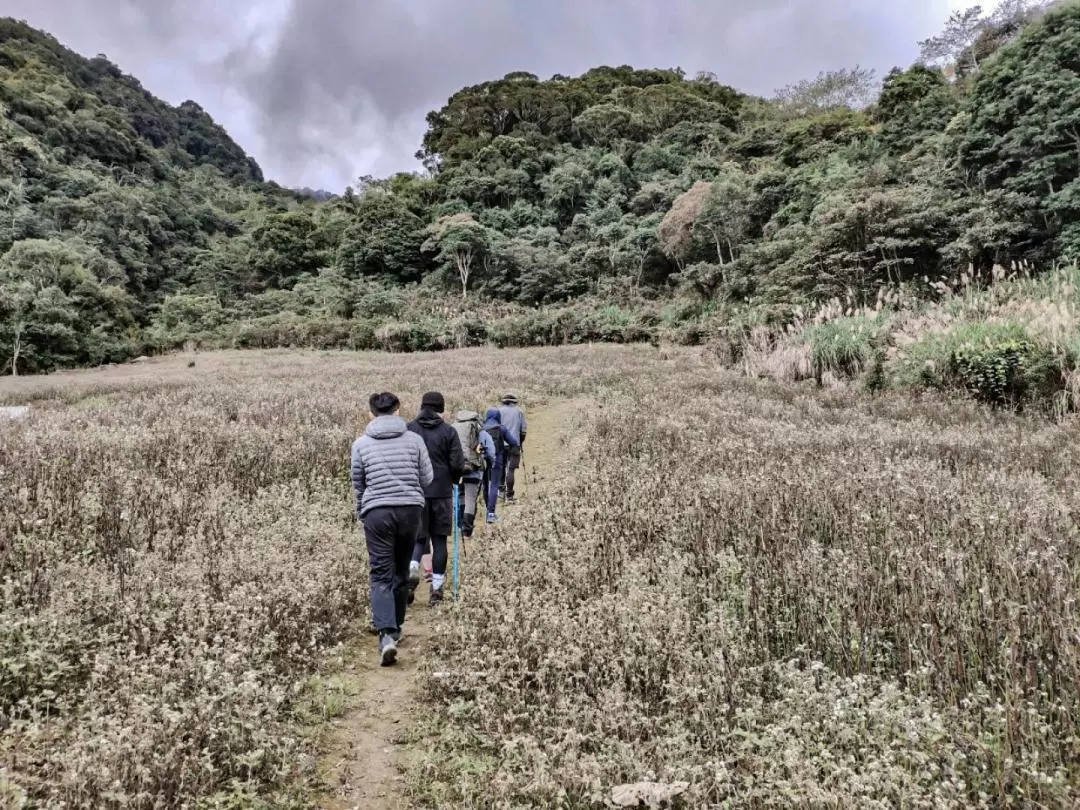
444 448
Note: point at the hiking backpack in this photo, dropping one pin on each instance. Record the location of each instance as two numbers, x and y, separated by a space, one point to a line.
469 435
497 436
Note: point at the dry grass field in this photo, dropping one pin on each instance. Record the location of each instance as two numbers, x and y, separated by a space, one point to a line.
765 594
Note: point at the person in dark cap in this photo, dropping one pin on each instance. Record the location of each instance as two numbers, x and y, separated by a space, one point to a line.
515 426
448 465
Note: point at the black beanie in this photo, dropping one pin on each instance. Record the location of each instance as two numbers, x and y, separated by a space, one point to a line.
433 401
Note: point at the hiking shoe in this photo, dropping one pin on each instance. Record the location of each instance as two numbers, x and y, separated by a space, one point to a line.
414 581
511 499
492 518
435 598
387 650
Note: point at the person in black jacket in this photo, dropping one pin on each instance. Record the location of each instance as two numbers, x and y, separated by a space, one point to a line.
448 465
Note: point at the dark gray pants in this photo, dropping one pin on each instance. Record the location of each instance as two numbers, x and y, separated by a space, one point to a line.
390 532
510 466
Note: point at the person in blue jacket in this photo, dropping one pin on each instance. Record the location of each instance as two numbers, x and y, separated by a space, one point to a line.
503 441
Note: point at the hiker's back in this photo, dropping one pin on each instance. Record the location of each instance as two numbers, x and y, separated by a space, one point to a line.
389 457
512 418
467 425
442 443
497 438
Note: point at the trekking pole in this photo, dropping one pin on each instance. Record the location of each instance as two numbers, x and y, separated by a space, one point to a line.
525 471
457 534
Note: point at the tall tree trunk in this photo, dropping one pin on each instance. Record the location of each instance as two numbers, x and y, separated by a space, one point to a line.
464 267
640 270
16 349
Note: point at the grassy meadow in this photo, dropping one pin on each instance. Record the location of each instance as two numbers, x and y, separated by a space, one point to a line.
777 594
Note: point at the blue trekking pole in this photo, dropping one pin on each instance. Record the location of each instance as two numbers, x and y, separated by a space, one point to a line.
457 534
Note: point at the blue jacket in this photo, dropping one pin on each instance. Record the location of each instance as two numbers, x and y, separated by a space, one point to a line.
493 425
488 444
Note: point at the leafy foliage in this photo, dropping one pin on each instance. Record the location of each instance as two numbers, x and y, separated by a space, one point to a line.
617 187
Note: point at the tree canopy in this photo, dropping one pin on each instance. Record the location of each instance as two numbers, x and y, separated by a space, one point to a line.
128 225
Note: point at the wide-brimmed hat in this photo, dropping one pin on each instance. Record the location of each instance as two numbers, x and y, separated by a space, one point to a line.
510 399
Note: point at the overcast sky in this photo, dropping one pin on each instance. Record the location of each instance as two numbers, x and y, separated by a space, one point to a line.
321 92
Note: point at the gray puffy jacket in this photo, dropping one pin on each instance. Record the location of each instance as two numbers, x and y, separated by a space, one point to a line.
390 466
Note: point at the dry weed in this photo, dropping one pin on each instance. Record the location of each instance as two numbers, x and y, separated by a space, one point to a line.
781 598
178 550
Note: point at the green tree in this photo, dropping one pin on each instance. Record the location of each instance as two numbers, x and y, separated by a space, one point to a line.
54 311
282 248
458 240
848 87
382 238
726 212
1022 136
954 45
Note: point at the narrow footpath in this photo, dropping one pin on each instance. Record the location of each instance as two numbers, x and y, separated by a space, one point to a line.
369 742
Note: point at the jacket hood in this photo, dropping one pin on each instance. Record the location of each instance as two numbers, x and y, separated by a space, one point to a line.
492 417
466 416
429 419
385 427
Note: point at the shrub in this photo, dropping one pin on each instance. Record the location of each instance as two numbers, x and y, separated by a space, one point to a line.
843 347
999 364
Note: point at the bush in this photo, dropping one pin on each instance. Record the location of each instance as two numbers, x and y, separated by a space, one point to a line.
1009 373
843 347
999 364
408 337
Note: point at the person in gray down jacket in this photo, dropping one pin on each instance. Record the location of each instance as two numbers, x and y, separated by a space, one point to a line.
513 423
390 469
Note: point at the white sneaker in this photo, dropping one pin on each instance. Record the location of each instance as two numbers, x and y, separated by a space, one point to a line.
414 574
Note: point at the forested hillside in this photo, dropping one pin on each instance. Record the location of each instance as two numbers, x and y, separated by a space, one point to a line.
622 204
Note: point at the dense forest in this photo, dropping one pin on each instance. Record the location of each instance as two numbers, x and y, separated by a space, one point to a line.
622 204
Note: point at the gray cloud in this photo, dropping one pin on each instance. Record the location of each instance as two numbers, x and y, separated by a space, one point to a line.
320 91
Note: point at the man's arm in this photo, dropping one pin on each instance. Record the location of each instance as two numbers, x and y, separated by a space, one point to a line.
457 456
359 478
511 439
489 446
524 426
427 475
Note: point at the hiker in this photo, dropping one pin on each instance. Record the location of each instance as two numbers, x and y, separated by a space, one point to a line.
479 450
513 422
502 441
390 469
447 464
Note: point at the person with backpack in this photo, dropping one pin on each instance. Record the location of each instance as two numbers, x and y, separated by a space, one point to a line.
390 469
448 464
502 440
479 450
513 422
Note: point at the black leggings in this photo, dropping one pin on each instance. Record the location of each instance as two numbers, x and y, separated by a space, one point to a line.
439 553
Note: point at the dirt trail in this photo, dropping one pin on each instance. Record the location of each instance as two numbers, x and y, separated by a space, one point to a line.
369 742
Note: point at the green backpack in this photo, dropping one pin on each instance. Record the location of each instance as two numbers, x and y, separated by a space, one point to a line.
469 434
